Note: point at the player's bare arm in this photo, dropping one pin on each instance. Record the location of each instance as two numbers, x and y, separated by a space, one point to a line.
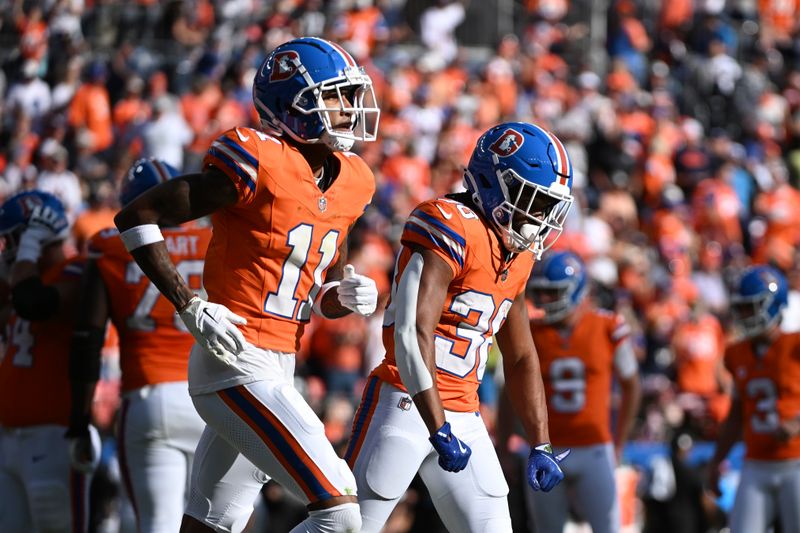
524 384
170 204
729 434
34 300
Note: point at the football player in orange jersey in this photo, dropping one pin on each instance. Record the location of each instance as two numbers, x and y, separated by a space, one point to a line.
460 280
282 200
581 348
39 490
765 409
155 450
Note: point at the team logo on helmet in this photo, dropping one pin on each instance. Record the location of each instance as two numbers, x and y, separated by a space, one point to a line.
28 203
508 143
283 65
769 280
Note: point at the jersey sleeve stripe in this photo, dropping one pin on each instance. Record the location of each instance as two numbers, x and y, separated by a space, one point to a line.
620 332
437 238
241 150
225 156
440 226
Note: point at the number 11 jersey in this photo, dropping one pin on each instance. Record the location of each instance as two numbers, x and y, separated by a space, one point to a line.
271 249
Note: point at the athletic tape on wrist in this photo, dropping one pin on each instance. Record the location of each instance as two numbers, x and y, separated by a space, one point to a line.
139 236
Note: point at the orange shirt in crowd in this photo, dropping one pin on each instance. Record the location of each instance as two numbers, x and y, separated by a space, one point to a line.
716 209
699 347
89 222
91 108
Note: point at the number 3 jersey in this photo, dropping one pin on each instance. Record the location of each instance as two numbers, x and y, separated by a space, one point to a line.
577 370
153 341
769 390
478 298
270 251
34 377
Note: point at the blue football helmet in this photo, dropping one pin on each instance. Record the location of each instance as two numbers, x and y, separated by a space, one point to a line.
144 174
520 176
289 88
15 213
557 285
758 300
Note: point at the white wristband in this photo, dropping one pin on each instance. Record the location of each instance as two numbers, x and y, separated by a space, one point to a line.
29 248
139 236
318 300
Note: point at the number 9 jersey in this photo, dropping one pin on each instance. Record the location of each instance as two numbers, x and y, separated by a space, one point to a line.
270 251
479 296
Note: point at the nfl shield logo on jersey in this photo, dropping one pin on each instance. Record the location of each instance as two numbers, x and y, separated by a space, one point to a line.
322 204
508 143
405 403
284 65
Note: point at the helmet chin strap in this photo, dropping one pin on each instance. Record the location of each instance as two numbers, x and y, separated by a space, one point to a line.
335 143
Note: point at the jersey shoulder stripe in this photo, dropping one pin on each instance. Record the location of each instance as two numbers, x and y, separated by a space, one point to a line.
235 162
437 234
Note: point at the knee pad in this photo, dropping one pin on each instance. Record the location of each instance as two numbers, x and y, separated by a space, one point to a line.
50 505
345 518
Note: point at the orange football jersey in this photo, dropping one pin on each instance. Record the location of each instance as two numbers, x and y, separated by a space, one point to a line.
699 345
270 251
769 389
577 370
479 297
34 375
154 343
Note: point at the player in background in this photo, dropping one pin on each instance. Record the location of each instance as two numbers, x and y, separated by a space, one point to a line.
39 489
460 280
282 200
765 408
158 427
581 349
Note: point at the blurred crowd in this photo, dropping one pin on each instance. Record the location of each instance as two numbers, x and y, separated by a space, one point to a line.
681 118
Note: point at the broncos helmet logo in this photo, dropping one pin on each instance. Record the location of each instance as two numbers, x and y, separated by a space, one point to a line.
508 143
284 65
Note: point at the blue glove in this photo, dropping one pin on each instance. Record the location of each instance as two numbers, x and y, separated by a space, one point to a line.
453 453
544 472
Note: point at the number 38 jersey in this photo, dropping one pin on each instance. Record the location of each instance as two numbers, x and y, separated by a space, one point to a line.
34 376
769 390
479 297
154 343
270 251
577 371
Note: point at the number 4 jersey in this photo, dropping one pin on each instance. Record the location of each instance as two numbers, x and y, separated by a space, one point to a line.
479 296
154 343
34 382
769 390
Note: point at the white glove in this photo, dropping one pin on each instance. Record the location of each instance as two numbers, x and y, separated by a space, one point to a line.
358 293
214 328
44 225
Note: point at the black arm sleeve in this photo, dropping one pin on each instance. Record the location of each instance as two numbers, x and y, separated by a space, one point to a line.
84 354
33 300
